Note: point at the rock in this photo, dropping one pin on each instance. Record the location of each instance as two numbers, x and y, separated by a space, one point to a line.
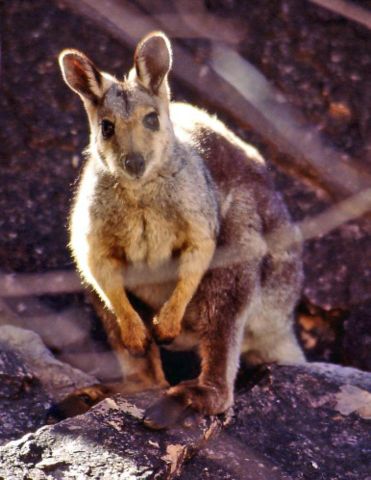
357 337
107 443
338 267
23 402
337 335
297 422
30 380
302 422
13 375
59 330
67 331
57 378
353 399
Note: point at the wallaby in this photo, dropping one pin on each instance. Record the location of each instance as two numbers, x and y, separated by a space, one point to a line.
175 209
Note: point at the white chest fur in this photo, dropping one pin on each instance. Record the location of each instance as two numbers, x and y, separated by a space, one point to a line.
147 237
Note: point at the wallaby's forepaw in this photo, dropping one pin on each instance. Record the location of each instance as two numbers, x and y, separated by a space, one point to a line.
184 399
136 338
78 402
167 324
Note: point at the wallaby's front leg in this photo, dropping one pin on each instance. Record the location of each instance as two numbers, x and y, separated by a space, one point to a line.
193 263
108 281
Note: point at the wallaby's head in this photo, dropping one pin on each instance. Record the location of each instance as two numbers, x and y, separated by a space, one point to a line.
129 119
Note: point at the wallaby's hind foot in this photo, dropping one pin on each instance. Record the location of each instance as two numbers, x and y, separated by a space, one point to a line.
166 412
191 397
77 402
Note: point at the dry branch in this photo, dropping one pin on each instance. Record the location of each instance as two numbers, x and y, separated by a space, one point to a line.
347 9
307 158
25 284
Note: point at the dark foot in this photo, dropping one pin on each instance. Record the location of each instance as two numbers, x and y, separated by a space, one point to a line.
184 399
166 412
77 403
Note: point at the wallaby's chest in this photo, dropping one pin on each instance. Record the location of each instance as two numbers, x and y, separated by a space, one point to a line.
141 231
148 236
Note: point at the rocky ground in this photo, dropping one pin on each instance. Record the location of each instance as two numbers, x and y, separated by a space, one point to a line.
307 422
290 423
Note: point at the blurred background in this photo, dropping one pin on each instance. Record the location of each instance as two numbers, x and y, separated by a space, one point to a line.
290 76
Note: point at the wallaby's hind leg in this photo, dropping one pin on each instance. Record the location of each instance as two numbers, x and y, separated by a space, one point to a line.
280 346
269 334
219 303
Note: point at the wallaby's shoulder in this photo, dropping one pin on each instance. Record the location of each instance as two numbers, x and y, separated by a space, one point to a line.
236 167
225 155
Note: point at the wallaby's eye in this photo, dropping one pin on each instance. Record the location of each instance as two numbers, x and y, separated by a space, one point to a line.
86 399
108 129
151 121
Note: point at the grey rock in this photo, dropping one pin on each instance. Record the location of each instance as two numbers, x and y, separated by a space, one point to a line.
58 330
65 330
357 336
295 422
23 402
338 267
57 378
107 443
31 379
290 426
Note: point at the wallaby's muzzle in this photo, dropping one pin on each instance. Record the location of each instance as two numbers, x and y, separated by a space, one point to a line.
134 164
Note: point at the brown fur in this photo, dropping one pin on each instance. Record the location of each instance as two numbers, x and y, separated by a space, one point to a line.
188 235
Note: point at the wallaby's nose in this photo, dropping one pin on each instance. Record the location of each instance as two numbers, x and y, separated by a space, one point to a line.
134 164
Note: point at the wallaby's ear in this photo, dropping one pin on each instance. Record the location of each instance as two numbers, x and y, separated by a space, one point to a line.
152 61
81 75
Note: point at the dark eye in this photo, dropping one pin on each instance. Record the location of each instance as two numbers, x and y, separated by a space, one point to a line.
151 121
108 129
86 399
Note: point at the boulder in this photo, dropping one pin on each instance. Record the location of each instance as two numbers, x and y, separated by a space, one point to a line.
57 378
298 422
357 337
302 422
23 402
31 379
108 443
